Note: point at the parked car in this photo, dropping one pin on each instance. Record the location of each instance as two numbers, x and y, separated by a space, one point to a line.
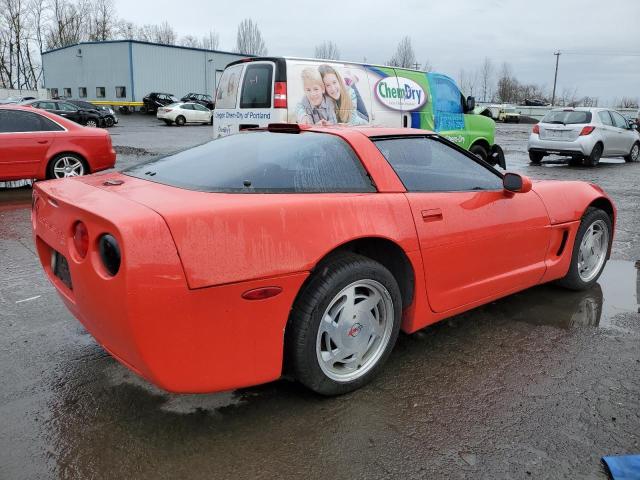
154 100
16 100
584 134
508 114
39 144
182 113
88 118
304 249
107 115
201 98
535 102
254 92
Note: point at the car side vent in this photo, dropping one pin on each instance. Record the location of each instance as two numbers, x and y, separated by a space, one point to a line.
563 242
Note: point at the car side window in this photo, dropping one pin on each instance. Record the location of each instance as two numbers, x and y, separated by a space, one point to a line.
187 107
19 121
428 165
201 108
67 107
605 118
618 120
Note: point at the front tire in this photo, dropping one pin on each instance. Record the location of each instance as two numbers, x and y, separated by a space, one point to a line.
108 122
479 151
343 325
180 120
590 250
91 123
634 154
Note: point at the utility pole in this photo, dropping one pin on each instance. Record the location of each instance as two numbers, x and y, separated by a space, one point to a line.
555 78
416 66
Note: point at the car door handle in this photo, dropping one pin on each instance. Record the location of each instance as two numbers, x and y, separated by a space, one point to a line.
432 215
43 141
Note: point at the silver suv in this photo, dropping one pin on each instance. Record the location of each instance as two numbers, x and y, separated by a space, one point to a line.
585 135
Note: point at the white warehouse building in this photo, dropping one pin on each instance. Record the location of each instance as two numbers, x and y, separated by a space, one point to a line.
127 70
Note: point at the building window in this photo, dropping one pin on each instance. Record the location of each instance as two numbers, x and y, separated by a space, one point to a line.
121 92
100 92
54 93
67 92
82 92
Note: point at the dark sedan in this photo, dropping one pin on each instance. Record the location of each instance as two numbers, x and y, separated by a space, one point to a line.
88 118
108 116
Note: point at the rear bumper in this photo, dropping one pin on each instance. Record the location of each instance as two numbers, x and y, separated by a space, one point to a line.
581 146
180 339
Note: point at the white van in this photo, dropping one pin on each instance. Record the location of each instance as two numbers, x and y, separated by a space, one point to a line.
255 92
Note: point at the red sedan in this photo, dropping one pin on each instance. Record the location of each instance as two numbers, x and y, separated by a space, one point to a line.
305 250
38 144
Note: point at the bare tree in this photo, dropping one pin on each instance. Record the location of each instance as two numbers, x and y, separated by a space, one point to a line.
507 88
327 51
249 39
569 97
589 101
404 56
468 82
190 41
627 102
426 66
67 23
102 20
211 41
486 78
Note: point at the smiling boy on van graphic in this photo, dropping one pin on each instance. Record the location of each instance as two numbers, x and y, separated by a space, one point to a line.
315 107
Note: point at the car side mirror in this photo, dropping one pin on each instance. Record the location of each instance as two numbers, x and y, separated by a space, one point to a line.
471 103
514 182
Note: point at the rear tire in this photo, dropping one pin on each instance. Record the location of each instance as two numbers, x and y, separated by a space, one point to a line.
66 165
580 276
634 154
593 159
168 122
343 325
108 122
479 151
91 123
576 161
180 120
536 158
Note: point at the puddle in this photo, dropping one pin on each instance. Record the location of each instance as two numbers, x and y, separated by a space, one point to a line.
617 291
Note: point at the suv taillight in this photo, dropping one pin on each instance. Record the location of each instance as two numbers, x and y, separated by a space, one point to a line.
587 130
280 95
536 129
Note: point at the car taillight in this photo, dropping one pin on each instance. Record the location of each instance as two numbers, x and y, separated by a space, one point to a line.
81 239
587 130
280 95
536 128
109 253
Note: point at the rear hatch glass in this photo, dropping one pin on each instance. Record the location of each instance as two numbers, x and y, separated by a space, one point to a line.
567 117
262 162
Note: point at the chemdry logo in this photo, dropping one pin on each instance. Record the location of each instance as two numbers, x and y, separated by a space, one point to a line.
404 94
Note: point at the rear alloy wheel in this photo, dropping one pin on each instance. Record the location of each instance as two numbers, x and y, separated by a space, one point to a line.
479 151
66 165
91 123
634 154
108 122
536 158
343 325
590 250
180 120
593 159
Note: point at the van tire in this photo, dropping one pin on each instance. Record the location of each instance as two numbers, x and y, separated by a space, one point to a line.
479 151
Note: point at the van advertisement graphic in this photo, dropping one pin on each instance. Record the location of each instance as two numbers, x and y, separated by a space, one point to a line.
400 93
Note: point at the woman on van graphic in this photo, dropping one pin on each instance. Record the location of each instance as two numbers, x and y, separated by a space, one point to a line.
344 96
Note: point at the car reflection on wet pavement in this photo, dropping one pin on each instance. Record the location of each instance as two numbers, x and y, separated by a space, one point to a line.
540 384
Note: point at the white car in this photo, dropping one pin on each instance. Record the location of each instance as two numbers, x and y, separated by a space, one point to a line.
585 135
184 112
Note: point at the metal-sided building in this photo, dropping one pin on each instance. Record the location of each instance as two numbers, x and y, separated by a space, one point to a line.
127 70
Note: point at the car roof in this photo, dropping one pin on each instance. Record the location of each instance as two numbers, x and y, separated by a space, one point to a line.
68 124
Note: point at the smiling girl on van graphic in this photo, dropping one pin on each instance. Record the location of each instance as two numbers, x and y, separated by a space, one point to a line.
345 96
315 107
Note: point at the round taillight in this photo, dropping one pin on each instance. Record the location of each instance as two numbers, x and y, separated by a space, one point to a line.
81 239
109 253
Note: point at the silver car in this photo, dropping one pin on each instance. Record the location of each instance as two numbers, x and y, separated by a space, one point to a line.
585 135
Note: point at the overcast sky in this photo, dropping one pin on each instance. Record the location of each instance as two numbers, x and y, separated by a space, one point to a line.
593 35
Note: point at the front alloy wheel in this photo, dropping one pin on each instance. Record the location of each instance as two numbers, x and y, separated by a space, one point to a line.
91 124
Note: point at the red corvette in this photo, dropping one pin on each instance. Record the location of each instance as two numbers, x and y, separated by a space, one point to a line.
303 250
38 144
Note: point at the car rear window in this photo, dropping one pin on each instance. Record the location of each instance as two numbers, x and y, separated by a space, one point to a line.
262 162
257 86
567 117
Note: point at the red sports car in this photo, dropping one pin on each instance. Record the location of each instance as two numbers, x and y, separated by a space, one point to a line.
38 144
303 250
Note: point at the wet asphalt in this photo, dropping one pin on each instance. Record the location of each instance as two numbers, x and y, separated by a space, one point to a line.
541 384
